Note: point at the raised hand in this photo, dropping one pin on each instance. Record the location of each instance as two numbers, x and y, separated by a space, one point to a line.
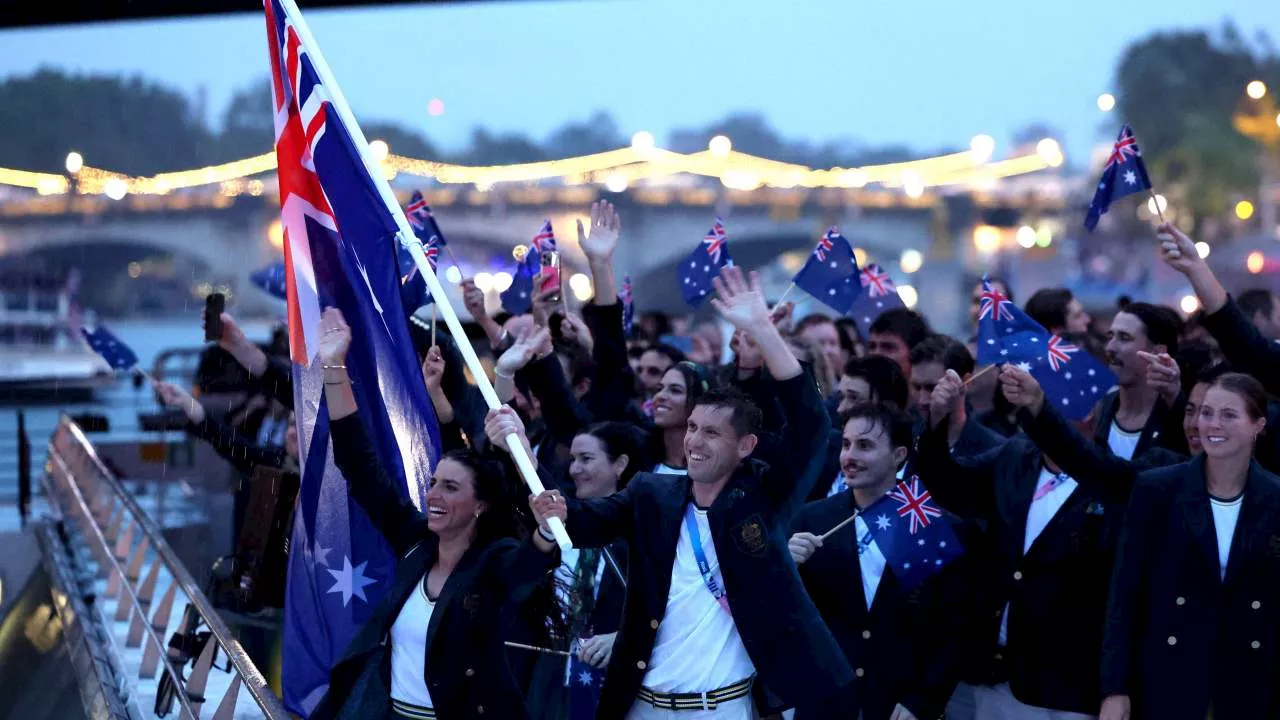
1164 375
175 397
575 330
1021 389
433 368
335 337
473 299
947 398
529 345
1177 249
605 227
746 352
545 302
1115 707
739 302
500 423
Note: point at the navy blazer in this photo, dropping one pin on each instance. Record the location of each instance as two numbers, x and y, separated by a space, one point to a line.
1056 592
794 654
907 646
1163 428
1180 639
466 668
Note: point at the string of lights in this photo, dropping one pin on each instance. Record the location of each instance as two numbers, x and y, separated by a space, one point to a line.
615 169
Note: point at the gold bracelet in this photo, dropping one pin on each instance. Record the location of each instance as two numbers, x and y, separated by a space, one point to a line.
333 367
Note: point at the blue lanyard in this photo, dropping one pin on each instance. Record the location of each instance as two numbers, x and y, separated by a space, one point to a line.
704 567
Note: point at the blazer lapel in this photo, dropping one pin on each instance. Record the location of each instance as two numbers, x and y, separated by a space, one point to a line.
1020 498
1151 431
1194 500
1256 508
460 578
671 503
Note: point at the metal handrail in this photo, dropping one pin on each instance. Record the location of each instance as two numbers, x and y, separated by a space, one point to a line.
83 508
252 678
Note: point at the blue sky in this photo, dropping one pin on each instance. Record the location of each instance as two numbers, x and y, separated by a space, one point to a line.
925 74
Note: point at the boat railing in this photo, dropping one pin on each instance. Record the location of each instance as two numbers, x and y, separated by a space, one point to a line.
148 589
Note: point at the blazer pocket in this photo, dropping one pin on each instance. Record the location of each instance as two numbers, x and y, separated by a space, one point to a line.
750 536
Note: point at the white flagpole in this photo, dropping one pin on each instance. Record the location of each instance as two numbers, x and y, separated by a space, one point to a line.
339 104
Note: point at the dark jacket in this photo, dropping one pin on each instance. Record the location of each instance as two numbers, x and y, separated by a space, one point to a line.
907 647
1179 639
1163 428
793 652
466 667
1056 592
1243 346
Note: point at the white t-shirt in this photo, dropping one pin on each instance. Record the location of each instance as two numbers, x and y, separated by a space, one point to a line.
697 648
870 560
1225 515
1039 515
1122 442
409 649
665 469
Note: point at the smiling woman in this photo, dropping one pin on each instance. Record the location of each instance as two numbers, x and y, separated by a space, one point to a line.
462 567
1192 610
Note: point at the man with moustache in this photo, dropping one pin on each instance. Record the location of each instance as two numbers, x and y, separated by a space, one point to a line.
1136 416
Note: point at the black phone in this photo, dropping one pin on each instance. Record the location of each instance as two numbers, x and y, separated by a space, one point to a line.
214 305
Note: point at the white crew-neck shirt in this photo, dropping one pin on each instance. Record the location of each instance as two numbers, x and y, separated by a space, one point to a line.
1123 443
1226 514
697 648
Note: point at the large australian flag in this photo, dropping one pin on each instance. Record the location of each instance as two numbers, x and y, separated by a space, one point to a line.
338 233
1124 174
1072 380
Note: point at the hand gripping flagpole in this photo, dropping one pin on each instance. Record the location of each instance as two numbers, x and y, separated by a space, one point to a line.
339 104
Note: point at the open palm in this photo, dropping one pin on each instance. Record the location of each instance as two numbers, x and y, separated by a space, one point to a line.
739 302
605 228
528 345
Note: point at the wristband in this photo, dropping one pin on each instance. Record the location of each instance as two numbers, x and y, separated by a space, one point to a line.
545 535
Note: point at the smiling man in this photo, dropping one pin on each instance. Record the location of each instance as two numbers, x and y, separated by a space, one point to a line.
716 617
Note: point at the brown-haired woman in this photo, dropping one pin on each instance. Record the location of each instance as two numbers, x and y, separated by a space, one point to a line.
1193 626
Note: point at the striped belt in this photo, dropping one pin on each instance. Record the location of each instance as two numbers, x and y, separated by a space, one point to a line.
696 700
414 712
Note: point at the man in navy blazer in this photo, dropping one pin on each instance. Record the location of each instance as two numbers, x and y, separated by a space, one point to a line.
715 609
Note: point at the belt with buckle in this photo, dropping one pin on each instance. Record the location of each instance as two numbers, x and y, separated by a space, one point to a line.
696 700
411 711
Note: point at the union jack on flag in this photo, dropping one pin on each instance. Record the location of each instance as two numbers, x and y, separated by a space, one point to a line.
339 238
1060 352
825 244
914 504
876 281
715 240
993 304
544 241
1124 174
417 211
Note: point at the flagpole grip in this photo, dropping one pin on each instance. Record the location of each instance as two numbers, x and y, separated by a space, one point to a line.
530 473
407 237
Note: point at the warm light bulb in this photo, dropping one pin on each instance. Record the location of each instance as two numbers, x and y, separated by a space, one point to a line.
720 146
642 140
1203 249
379 149
1189 304
116 189
1256 89
453 274
502 281
1244 210
1106 102
909 295
1255 262
911 260
1026 236
484 281
581 286
986 239
75 161
982 147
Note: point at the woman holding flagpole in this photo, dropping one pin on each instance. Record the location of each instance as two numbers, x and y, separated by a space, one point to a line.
434 646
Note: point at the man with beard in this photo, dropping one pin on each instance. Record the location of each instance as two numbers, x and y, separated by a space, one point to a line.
715 609
1136 417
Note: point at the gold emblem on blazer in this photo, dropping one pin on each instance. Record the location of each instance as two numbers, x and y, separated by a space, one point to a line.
750 535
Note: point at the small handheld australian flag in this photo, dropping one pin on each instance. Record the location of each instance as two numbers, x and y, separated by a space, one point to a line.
270 280
703 264
1124 174
104 342
911 533
1073 381
878 295
830 274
